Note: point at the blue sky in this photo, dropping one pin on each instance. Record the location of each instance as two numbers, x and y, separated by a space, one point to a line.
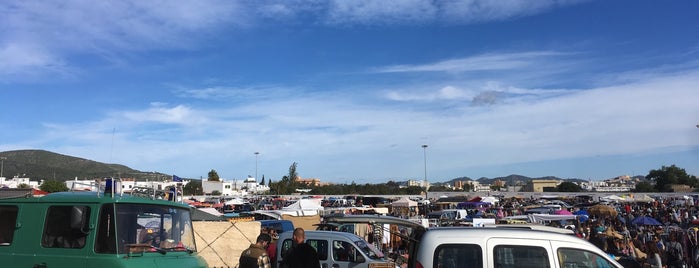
350 90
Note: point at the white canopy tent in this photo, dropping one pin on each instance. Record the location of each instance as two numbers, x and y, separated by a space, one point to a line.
404 202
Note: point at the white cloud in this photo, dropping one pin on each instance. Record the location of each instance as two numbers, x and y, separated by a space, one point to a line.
484 62
50 32
60 30
369 12
326 135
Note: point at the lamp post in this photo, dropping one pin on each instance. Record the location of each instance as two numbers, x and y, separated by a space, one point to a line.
424 152
2 165
256 153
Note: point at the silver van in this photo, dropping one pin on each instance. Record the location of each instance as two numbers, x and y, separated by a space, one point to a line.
504 248
497 246
336 250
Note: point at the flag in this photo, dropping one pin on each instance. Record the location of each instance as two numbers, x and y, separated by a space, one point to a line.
176 179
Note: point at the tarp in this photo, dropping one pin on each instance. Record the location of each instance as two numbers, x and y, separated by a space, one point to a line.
613 198
202 215
645 220
540 218
211 211
562 212
235 201
490 199
305 204
404 202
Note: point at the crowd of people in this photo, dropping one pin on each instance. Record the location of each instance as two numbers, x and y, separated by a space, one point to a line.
656 234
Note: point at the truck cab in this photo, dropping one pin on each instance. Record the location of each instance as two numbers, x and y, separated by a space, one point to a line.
94 229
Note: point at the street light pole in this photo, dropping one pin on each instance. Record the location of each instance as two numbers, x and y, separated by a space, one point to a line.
256 153
424 151
2 165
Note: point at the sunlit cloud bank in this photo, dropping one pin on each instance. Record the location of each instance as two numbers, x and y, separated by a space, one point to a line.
319 132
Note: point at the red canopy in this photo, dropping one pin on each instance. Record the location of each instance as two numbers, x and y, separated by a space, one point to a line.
37 192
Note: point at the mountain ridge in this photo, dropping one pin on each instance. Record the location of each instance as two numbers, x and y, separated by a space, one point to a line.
42 164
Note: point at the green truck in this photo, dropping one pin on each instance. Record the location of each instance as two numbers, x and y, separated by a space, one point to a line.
95 229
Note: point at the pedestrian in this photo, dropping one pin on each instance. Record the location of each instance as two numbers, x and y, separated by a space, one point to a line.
256 255
301 254
675 255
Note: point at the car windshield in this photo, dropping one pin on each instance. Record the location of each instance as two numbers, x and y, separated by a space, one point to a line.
369 250
153 228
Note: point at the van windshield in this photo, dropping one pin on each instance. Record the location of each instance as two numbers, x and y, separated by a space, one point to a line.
369 250
153 228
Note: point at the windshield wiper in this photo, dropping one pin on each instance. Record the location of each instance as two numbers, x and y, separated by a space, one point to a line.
190 251
145 248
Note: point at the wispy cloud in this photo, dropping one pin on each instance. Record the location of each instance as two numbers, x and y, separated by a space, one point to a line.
368 12
485 62
50 33
109 29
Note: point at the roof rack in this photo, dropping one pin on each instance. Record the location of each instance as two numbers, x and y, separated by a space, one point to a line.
7 193
112 187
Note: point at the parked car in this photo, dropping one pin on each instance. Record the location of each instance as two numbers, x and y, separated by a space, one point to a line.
336 249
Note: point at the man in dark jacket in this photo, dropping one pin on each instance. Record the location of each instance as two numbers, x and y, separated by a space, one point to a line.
301 255
256 255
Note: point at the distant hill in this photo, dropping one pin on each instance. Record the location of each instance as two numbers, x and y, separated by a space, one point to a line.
512 179
40 164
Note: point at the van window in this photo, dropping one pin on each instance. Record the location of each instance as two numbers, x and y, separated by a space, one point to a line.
577 258
510 256
66 227
8 221
321 246
458 255
106 235
343 251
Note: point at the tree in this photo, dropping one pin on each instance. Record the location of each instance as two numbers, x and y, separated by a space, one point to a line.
644 187
213 176
665 177
568 186
23 186
53 186
263 180
192 188
293 176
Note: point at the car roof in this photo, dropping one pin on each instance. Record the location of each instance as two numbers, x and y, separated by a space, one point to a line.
482 234
322 234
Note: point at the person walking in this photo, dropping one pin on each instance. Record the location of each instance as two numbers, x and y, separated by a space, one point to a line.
301 254
675 254
256 255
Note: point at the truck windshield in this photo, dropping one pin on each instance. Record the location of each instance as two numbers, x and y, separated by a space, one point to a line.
153 228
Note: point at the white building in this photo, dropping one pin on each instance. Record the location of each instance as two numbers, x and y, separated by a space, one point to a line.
234 187
16 182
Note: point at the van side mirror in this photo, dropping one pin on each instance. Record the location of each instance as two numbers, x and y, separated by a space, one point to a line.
79 217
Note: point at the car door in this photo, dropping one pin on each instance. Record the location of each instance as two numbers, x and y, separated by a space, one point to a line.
322 246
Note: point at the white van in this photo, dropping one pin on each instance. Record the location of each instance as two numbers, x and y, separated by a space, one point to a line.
503 248
336 250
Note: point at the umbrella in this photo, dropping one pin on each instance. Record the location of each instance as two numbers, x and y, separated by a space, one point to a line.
645 220
602 210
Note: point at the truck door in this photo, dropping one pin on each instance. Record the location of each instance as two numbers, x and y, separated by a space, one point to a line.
64 241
